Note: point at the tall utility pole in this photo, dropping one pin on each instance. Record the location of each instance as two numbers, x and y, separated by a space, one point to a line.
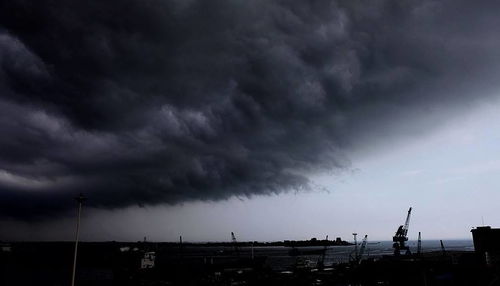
355 246
80 199
180 246
419 244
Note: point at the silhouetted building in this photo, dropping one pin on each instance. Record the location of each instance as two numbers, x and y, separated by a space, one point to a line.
487 243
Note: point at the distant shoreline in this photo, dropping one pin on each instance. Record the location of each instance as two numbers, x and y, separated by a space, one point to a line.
209 243
286 243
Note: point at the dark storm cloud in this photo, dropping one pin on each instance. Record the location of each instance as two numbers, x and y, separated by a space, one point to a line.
149 102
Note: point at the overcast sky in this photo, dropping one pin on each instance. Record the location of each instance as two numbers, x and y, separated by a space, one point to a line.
272 119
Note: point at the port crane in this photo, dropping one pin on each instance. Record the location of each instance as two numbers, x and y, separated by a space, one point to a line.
442 248
401 237
362 248
235 244
357 255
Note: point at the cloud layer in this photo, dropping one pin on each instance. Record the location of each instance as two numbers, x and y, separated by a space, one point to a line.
150 102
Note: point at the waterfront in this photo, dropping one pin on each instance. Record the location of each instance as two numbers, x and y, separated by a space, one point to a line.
278 258
119 263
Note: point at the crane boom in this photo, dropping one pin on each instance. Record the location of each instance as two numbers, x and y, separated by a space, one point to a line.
442 248
362 248
235 243
407 222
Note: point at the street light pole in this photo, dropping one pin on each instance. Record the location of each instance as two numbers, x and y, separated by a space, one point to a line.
80 199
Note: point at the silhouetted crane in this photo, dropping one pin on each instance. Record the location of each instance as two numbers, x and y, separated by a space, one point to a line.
235 244
443 251
362 248
401 237
357 254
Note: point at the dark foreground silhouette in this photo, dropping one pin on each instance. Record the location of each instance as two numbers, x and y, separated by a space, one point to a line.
115 263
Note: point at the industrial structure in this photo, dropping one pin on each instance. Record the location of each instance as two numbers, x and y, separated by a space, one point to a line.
401 237
362 248
486 244
357 254
235 244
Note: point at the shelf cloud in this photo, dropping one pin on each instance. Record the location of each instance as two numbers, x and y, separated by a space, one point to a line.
163 102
